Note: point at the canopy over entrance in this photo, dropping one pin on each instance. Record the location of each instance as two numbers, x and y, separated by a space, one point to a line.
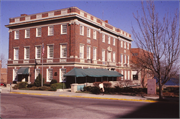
23 70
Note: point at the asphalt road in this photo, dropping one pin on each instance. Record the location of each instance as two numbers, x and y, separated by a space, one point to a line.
29 106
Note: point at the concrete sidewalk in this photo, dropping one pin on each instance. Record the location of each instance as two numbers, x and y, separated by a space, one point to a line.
67 93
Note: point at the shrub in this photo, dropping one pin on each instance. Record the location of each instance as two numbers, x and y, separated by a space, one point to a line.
107 84
53 81
96 84
30 85
38 81
95 90
14 82
56 86
20 85
46 84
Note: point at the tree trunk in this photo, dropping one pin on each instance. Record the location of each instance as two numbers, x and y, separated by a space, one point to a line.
160 90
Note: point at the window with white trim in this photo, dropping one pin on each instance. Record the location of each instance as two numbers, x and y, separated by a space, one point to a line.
109 40
38 32
27 33
50 30
81 52
122 74
15 74
81 30
128 75
62 72
114 41
109 57
88 52
103 37
124 44
88 32
64 29
114 57
128 46
49 75
103 55
16 34
124 59
50 49
94 53
125 77
26 52
128 59
94 34
63 51
121 58
38 52
37 72
16 53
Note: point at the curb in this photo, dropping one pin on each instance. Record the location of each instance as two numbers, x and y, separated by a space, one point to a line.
136 100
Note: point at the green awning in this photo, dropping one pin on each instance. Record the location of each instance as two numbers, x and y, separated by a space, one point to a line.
92 73
23 70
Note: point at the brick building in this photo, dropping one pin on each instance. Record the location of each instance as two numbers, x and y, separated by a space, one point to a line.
3 74
71 38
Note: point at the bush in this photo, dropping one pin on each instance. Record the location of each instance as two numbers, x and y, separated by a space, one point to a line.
96 84
14 82
107 84
38 81
46 84
53 81
40 88
56 86
20 85
30 85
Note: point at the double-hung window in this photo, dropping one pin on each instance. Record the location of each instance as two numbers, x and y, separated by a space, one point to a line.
37 72
63 51
109 40
38 52
62 72
122 74
88 32
81 30
26 52
125 77
15 74
94 53
109 56
128 46
124 59
94 34
128 59
121 58
16 34
81 55
128 75
64 29
103 55
16 53
103 37
114 57
50 30
50 53
125 45
27 33
121 44
114 41
88 52
38 32
49 75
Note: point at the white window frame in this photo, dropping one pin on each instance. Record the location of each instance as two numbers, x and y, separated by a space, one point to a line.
103 54
62 51
128 46
36 52
109 56
121 44
94 53
81 30
125 77
114 57
129 75
62 27
61 78
26 53
127 59
15 74
27 32
36 72
48 52
88 52
81 51
94 34
88 32
50 33
16 57
124 45
121 58
38 32
122 74
114 41
103 38
48 78
16 34
124 59
109 40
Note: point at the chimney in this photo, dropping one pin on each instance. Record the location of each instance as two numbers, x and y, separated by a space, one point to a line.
23 14
106 21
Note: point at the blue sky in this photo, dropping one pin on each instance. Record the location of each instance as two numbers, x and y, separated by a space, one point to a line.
118 13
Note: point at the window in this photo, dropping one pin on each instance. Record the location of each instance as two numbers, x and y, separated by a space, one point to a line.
88 32
121 58
16 34
103 55
15 74
109 56
50 51
114 41
50 30
124 59
88 52
128 75
62 72
103 37
128 59
81 30
122 74
94 53
38 32
37 72
125 77
63 51
128 46
94 34
124 44
49 75
135 75
114 57
109 40
64 29
16 53
38 52
27 33
26 53
81 55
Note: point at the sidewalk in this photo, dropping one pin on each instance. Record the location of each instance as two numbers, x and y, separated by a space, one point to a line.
67 93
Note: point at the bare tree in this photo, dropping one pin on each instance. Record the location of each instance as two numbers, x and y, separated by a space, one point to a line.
160 37
3 60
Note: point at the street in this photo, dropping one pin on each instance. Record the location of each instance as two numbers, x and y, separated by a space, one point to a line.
28 106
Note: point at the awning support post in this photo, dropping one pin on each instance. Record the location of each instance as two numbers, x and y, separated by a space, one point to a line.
101 79
75 79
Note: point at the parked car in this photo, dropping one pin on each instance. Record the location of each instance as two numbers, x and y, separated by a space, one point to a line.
3 84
